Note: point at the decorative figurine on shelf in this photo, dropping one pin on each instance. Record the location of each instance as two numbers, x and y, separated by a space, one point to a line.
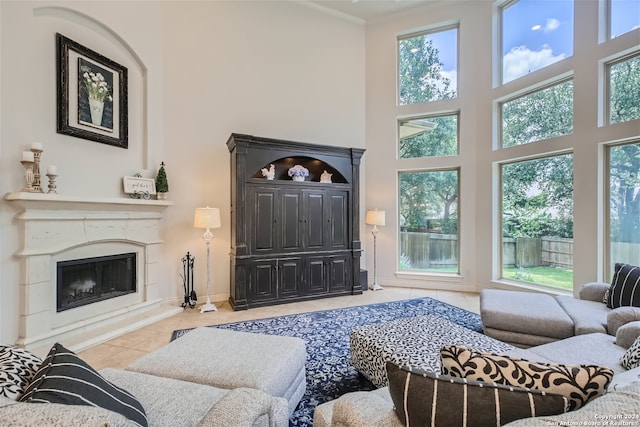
298 173
325 177
162 185
269 173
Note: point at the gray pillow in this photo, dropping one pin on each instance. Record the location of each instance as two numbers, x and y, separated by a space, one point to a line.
422 398
621 316
627 334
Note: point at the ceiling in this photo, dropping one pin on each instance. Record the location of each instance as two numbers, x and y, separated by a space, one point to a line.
369 10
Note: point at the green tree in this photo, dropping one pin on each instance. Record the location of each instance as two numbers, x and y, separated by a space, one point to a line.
420 72
440 141
429 195
624 177
625 90
162 185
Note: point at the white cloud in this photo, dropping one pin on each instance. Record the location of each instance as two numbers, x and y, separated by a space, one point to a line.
552 24
521 60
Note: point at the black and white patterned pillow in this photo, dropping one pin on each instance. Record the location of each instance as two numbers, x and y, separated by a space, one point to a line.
625 286
423 398
631 358
17 368
579 383
65 378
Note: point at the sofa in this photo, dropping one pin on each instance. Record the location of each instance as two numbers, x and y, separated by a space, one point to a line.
63 390
367 408
595 335
527 319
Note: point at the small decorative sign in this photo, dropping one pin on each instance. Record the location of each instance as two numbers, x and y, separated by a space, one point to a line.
139 188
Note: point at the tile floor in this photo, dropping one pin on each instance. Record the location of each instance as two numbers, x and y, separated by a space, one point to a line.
120 352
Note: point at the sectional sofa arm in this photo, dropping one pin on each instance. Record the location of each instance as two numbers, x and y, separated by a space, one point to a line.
628 333
364 409
620 316
247 407
593 291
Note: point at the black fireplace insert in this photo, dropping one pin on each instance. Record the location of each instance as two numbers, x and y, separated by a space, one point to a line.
89 280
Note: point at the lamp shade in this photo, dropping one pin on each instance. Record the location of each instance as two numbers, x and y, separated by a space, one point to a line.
375 217
207 218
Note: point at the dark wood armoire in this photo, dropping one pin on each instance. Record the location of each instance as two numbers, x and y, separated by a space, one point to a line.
293 240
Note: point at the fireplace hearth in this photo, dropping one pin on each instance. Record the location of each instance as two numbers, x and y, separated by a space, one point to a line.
89 280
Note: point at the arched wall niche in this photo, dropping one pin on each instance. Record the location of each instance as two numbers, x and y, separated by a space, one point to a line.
120 44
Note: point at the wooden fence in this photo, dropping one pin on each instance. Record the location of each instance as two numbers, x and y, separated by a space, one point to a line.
432 250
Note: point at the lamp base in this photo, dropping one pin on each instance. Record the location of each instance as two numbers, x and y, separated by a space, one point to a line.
376 287
208 307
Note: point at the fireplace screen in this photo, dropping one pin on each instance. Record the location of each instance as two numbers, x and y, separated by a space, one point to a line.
88 280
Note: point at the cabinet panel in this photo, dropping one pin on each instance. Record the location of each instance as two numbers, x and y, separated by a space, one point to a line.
316 275
264 283
264 217
290 220
314 219
339 273
289 277
338 221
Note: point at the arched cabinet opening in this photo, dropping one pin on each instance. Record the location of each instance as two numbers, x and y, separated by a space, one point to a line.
318 170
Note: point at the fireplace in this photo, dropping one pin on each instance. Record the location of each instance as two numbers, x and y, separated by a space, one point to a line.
89 280
91 268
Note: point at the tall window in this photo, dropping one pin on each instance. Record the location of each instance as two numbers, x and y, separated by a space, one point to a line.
429 220
428 136
624 16
535 34
539 115
624 204
537 221
624 89
428 66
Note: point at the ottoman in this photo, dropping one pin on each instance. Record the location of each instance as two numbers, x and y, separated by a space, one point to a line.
412 341
231 359
523 319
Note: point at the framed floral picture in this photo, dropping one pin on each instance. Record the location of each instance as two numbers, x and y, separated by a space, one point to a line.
91 95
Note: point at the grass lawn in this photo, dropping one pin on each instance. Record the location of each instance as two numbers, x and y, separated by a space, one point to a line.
549 276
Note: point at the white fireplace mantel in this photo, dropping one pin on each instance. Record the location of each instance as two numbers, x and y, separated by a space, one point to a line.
53 228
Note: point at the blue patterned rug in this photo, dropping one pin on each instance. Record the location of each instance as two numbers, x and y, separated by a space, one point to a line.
326 333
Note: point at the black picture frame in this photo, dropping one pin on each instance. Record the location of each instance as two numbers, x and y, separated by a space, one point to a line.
81 72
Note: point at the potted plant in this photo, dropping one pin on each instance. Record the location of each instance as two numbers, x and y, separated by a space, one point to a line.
162 185
298 173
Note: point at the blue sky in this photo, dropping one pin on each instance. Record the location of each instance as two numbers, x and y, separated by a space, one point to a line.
536 33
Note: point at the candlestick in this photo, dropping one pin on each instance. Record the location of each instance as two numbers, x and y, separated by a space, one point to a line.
27 156
52 182
37 152
28 176
52 170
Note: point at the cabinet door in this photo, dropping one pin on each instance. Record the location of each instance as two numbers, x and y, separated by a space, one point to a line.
264 216
316 275
339 268
338 220
263 281
290 277
314 224
290 220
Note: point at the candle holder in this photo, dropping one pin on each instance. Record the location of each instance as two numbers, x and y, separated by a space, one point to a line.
28 176
52 183
37 152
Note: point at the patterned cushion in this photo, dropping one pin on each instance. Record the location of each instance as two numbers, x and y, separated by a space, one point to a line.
67 379
17 368
579 383
422 398
631 358
625 286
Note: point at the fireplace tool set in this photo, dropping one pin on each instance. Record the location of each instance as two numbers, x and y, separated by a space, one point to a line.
190 297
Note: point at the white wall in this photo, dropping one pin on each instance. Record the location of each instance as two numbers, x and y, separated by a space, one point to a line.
197 72
477 160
